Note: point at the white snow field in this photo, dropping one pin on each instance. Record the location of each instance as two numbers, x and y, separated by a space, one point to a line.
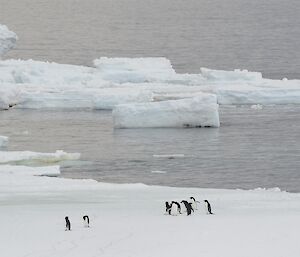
129 220
8 40
200 111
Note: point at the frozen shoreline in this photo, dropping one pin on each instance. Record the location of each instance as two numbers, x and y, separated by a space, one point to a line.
129 220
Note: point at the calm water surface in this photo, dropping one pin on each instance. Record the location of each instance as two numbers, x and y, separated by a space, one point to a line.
256 35
253 148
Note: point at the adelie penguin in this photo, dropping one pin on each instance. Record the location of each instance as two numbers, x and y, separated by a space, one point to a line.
194 203
86 221
176 204
188 207
168 208
208 207
68 224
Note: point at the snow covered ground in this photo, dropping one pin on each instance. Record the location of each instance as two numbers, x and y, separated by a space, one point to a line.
129 220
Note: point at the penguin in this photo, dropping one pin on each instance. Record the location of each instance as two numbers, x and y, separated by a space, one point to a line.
188 207
194 203
178 206
174 209
208 207
68 224
86 221
168 208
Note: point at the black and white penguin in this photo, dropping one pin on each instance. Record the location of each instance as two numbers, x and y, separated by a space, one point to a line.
194 203
168 208
174 209
68 223
188 207
208 207
178 206
86 221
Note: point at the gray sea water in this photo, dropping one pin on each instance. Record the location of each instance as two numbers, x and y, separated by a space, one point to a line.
253 148
259 35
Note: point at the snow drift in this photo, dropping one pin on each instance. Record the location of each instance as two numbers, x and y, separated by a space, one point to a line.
201 111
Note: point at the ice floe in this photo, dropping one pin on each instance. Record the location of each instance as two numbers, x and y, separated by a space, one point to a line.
3 141
135 70
8 40
28 157
201 111
114 81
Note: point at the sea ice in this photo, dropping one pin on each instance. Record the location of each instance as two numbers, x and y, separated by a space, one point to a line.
3 141
114 81
201 111
134 70
8 40
27 157
236 75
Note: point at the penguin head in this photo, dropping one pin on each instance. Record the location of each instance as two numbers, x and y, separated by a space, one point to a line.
66 218
206 201
192 198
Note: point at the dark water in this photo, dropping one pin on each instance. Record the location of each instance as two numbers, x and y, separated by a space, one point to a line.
257 35
252 148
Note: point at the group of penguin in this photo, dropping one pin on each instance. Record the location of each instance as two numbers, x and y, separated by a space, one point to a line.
86 221
174 208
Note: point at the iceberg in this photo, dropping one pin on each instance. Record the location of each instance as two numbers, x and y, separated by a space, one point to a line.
8 40
200 111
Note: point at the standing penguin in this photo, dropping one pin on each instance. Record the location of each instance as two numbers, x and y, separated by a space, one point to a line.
68 224
194 203
86 221
174 208
178 206
168 208
188 207
208 207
